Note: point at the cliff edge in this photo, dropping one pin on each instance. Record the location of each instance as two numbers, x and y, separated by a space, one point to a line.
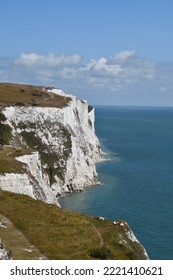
51 134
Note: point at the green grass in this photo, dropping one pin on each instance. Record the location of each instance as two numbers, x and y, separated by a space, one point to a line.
17 242
63 234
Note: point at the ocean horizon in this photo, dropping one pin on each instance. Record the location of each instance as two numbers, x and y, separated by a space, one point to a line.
137 180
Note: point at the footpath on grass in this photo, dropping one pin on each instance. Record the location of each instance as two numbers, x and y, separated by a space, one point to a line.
16 241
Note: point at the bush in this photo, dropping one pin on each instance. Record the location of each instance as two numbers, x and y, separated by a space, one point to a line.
5 134
102 254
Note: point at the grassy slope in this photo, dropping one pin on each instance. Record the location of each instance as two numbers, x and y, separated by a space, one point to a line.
17 242
23 95
63 234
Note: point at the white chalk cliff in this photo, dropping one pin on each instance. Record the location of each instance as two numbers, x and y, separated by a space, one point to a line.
4 254
64 148
48 148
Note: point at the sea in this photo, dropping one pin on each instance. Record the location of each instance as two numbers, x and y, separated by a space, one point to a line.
137 179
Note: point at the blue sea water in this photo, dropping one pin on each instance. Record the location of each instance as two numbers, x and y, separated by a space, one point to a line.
137 183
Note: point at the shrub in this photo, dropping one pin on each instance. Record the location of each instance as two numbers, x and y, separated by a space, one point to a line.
5 134
102 254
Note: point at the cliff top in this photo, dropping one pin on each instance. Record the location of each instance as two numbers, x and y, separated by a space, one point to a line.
28 95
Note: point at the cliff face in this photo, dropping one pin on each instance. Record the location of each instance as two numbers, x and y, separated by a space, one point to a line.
62 147
4 253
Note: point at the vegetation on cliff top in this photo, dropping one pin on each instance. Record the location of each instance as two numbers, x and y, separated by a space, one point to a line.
27 95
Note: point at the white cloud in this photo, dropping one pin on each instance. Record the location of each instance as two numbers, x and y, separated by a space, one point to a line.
124 73
124 55
102 67
123 66
34 59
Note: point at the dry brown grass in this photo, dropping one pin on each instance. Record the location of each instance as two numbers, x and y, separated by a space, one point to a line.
8 163
28 95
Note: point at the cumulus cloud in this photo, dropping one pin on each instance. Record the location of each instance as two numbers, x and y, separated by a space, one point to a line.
124 55
34 59
126 65
119 71
123 73
104 68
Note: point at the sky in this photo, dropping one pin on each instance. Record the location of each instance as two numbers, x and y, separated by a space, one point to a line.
109 52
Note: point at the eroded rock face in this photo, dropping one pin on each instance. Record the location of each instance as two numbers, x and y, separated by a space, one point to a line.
129 240
31 182
4 253
65 149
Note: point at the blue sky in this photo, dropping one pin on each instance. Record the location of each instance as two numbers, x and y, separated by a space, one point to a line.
117 52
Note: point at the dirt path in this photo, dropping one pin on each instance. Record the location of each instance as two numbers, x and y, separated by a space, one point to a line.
15 241
99 235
